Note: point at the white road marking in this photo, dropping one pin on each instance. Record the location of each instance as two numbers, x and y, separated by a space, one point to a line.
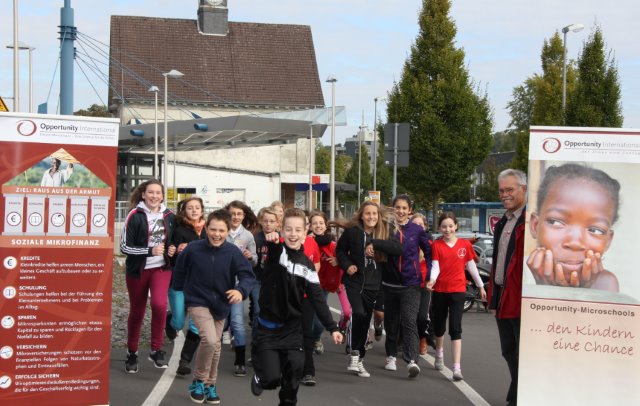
473 396
164 383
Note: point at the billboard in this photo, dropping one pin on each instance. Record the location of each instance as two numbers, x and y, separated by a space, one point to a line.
57 180
581 293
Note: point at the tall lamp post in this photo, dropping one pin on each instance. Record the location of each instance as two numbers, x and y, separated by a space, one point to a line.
16 68
24 47
375 140
332 184
171 74
565 30
155 90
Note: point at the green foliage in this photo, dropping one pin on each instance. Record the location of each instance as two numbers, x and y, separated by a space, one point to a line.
449 117
521 160
488 190
343 163
94 110
323 158
538 101
596 99
323 162
504 141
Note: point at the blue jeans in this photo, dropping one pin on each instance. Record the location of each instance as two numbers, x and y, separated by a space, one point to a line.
254 296
237 324
176 302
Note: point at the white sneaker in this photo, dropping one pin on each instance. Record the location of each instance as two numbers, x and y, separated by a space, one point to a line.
354 359
438 364
413 369
362 373
457 375
226 338
390 364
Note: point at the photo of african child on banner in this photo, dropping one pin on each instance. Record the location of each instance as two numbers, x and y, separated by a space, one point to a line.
581 293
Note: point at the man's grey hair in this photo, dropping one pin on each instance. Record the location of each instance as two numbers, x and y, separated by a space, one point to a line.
520 176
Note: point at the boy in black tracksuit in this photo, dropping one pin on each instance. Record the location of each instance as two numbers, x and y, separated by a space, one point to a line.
279 356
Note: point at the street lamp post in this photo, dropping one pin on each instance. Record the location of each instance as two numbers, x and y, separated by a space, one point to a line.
16 68
332 185
171 74
155 90
24 47
359 161
565 30
375 140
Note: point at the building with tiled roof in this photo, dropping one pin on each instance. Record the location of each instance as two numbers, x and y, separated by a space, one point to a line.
230 68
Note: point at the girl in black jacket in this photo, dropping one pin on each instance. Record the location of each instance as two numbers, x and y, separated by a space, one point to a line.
146 240
362 252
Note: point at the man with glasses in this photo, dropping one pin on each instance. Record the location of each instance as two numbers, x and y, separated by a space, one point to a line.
505 289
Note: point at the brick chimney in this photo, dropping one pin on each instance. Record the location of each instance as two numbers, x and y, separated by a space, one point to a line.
213 17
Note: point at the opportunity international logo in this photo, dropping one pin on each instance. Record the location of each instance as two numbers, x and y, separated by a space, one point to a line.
551 145
26 127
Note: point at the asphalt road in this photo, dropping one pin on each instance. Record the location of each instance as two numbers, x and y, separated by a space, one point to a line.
485 372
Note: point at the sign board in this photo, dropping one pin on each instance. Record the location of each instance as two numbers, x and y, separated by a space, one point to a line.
374 196
403 136
403 158
585 316
493 216
3 106
57 180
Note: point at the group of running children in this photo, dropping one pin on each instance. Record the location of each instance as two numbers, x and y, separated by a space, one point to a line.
286 262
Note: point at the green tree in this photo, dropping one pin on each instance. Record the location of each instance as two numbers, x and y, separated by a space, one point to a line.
450 120
323 158
487 190
343 163
596 99
323 162
538 101
504 141
94 110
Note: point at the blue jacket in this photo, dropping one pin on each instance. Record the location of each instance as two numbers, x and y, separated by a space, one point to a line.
404 270
205 273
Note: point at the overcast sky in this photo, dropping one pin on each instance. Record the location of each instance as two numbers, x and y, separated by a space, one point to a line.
362 42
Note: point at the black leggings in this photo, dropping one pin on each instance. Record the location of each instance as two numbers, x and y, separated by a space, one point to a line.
423 313
450 304
361 309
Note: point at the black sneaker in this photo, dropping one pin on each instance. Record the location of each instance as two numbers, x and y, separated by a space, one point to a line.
196 391
158 359
239 370
211 395
183 368
256 387
308 380
170 331
131 364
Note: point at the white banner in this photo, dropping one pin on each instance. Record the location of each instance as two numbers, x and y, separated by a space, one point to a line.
580 332
59 129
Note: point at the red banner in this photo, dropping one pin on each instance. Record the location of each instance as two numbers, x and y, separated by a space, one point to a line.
57 176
